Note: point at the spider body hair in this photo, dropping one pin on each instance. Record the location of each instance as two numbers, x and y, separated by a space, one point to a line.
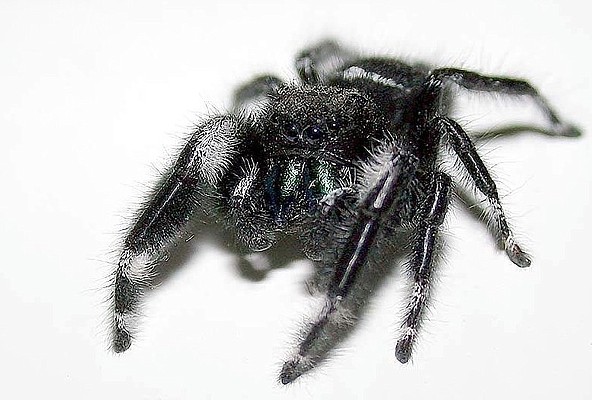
348 162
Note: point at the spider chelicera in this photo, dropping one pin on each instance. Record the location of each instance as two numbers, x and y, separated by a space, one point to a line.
344 161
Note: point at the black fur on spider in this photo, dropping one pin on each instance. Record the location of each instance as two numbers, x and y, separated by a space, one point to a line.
340 161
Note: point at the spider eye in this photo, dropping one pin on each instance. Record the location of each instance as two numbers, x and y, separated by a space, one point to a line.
313 133
333 123
291 131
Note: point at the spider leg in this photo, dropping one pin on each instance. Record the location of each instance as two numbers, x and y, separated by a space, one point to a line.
388 187
198 169
467 153
503 85
421 265
245 206
316 64
250 96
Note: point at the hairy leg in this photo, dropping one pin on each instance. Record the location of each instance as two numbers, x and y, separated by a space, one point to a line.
421 265
503 85
318 63
199 167
389 179
465 149
252 96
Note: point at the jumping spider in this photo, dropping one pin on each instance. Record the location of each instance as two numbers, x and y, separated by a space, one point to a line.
340 161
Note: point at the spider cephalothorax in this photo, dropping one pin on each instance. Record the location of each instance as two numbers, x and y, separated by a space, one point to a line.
344 161
320 120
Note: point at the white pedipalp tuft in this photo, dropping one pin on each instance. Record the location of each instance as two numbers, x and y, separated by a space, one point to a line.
247 176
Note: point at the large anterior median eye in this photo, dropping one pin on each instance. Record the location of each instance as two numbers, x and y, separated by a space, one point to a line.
291 131
313 133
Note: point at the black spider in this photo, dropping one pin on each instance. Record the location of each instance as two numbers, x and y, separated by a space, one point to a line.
344 161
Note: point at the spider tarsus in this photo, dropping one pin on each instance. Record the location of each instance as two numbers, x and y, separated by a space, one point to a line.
122 340
292 370
403 350
288 373
516 255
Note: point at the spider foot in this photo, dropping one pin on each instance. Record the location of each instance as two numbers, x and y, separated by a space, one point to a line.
403 349
333 324
294 368
131 278
121 337
515 253
122 340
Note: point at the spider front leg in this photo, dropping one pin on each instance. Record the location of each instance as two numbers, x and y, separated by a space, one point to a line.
503 85
198 169
387 186
421 265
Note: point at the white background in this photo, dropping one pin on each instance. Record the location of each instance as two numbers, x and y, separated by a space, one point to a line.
94 97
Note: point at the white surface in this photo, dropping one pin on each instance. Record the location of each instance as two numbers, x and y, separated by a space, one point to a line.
92 96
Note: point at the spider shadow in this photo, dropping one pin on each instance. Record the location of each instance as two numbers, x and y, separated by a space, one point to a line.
477 211
513 130
178 255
